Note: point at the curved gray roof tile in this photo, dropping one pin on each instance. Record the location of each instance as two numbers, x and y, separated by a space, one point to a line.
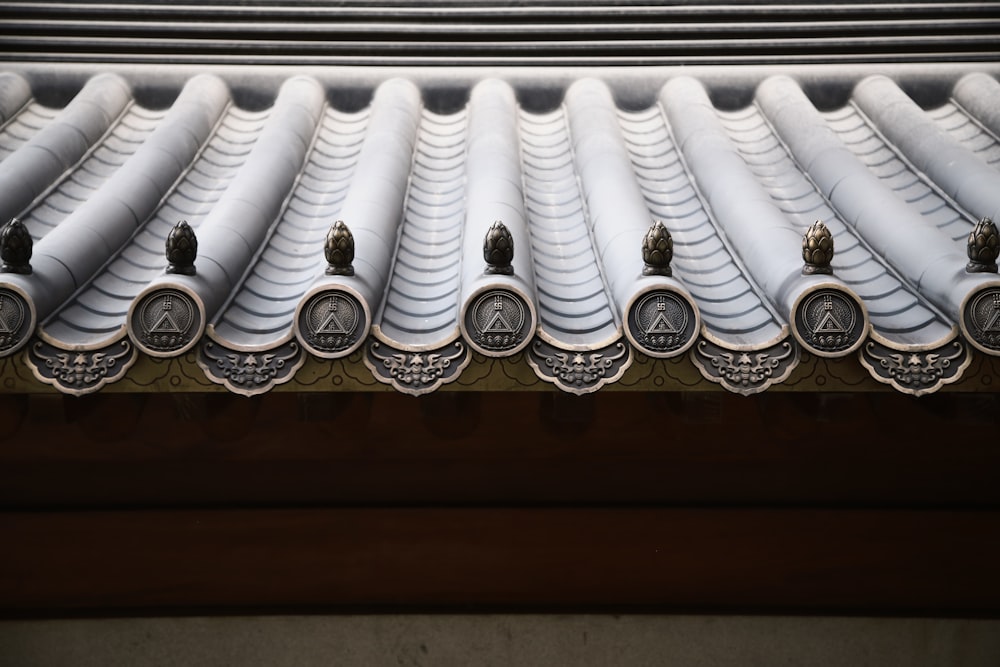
575 311
421 307
142 258
61 142
978 97
768 241
499 313
962 175
72 252
730 306
892 306
288 262
124 137
924 254
232 232
15 98
23 125
333 318
656 312
577 187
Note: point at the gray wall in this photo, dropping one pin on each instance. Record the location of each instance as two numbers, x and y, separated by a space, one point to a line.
482 640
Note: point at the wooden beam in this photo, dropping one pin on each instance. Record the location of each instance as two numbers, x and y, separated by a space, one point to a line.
122 451
720 560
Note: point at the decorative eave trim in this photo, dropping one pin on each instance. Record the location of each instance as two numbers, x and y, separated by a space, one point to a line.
746 372
416 372
486 374
78 372
916 372
580 371
250 373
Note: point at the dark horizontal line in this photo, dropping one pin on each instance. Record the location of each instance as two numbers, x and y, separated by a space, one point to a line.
522 59
569 8
305 47
846 29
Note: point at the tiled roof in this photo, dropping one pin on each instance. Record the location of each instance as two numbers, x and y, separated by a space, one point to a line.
497 32
498 216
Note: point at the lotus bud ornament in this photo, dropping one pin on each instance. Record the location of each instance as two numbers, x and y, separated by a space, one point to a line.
15 248
983 247
498 249
339 250
657 251
817 249
182 249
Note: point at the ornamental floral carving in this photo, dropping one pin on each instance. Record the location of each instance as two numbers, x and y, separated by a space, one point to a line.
746 369
580 371
416 370
817 249
917 372
983 246
15 248
80 371
745 372
498 249
339 250
657 251
249 371
181 249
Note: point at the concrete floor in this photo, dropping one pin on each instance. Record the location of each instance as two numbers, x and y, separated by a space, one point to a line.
483 640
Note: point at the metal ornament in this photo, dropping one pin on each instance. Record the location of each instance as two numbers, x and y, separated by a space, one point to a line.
657 251
14 320
579 372
498 250
81 372
15 248
983 247
339 250
331 321
981 318
919 372
829 322
166 320
817 249
499 320
661 323
182 249
745 372
250 373
417 373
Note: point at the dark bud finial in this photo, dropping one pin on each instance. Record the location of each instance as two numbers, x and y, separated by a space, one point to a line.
182 249
339 249
498 249
15 248
984 245
817 249
657 251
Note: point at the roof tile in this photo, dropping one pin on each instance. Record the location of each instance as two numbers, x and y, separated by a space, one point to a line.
577 187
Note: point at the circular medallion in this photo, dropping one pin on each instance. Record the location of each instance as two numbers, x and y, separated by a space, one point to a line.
829 321
331 322
661 322
498 321
981 318
14 320
166 321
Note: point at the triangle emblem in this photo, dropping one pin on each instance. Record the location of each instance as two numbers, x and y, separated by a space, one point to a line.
498 324
332 323
829 324
165 324
993 325
661 324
